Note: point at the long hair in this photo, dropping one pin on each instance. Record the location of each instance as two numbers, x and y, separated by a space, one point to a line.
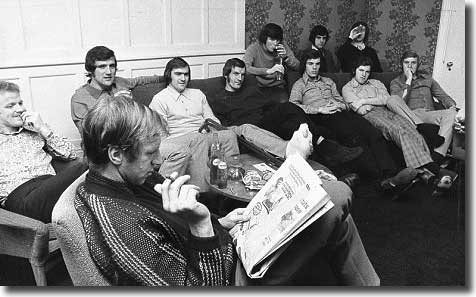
118 122
175 63
307 55
318 30
361 61
230 64
97 53
272 31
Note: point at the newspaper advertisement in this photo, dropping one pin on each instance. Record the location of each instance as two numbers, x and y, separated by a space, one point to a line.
292 199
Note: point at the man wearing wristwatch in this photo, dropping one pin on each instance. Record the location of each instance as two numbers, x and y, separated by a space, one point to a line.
418 89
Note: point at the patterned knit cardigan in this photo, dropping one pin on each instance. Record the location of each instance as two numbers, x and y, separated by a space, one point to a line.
134 241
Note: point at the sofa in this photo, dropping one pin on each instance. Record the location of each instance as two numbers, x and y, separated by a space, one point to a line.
208 86
144 94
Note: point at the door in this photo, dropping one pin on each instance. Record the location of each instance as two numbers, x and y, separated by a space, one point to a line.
449 64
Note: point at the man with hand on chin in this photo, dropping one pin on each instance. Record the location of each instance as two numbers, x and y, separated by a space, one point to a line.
28 182
418 90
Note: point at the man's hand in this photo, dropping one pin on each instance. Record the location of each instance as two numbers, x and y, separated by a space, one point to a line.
181 199
341 106
364 109
408 73
276 68
356 32
233 218
281 51
32 121
356 104
329 108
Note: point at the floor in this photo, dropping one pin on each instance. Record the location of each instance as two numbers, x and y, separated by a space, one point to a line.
415 241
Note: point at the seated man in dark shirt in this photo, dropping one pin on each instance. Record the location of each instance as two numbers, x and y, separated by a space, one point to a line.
140 232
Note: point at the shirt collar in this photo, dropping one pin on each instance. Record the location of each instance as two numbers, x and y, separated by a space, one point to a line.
95 92
355 84
174 93
306 78
13 133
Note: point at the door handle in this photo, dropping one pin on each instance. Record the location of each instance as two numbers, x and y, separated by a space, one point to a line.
449 65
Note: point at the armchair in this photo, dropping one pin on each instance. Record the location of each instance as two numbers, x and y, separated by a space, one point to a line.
24 237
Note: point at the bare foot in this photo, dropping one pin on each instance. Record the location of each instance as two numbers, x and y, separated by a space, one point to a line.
301 142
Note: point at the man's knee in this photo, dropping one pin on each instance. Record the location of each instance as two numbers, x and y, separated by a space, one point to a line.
394 100
340 194
177 160
448 115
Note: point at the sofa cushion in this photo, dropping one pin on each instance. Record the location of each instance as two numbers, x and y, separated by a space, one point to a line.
209 86
144 94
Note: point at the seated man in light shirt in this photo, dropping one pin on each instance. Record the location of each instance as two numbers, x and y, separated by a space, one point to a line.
184 111
28 182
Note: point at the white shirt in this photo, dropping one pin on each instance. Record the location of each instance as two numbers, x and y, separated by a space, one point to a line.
183 112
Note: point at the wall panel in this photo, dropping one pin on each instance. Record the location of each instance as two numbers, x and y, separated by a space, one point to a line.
43 43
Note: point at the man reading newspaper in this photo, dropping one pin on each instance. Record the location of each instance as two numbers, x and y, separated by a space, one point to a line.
166 236
288 204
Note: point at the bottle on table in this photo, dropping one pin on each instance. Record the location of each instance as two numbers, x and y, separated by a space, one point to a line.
222 174
214 158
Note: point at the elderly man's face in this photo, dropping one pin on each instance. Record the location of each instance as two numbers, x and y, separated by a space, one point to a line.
147 160
235 79
11 110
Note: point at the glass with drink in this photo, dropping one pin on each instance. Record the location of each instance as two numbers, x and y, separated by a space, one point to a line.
279 59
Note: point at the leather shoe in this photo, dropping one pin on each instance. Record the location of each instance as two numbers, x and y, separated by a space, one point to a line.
351 180
400 183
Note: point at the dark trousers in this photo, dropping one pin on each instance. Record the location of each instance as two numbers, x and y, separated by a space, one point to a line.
37 197
284 118
277 94
352 130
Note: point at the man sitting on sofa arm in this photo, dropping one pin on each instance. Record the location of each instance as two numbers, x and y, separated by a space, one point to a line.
28 182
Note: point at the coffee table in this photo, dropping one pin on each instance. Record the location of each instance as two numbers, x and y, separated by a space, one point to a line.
236 189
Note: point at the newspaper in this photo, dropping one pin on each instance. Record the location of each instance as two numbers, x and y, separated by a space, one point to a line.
289 202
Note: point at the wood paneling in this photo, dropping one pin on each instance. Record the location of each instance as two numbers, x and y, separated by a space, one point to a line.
43 43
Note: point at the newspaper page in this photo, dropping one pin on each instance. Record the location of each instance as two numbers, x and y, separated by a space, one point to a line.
291 200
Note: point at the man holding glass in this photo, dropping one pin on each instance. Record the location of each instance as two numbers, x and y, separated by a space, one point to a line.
268 59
